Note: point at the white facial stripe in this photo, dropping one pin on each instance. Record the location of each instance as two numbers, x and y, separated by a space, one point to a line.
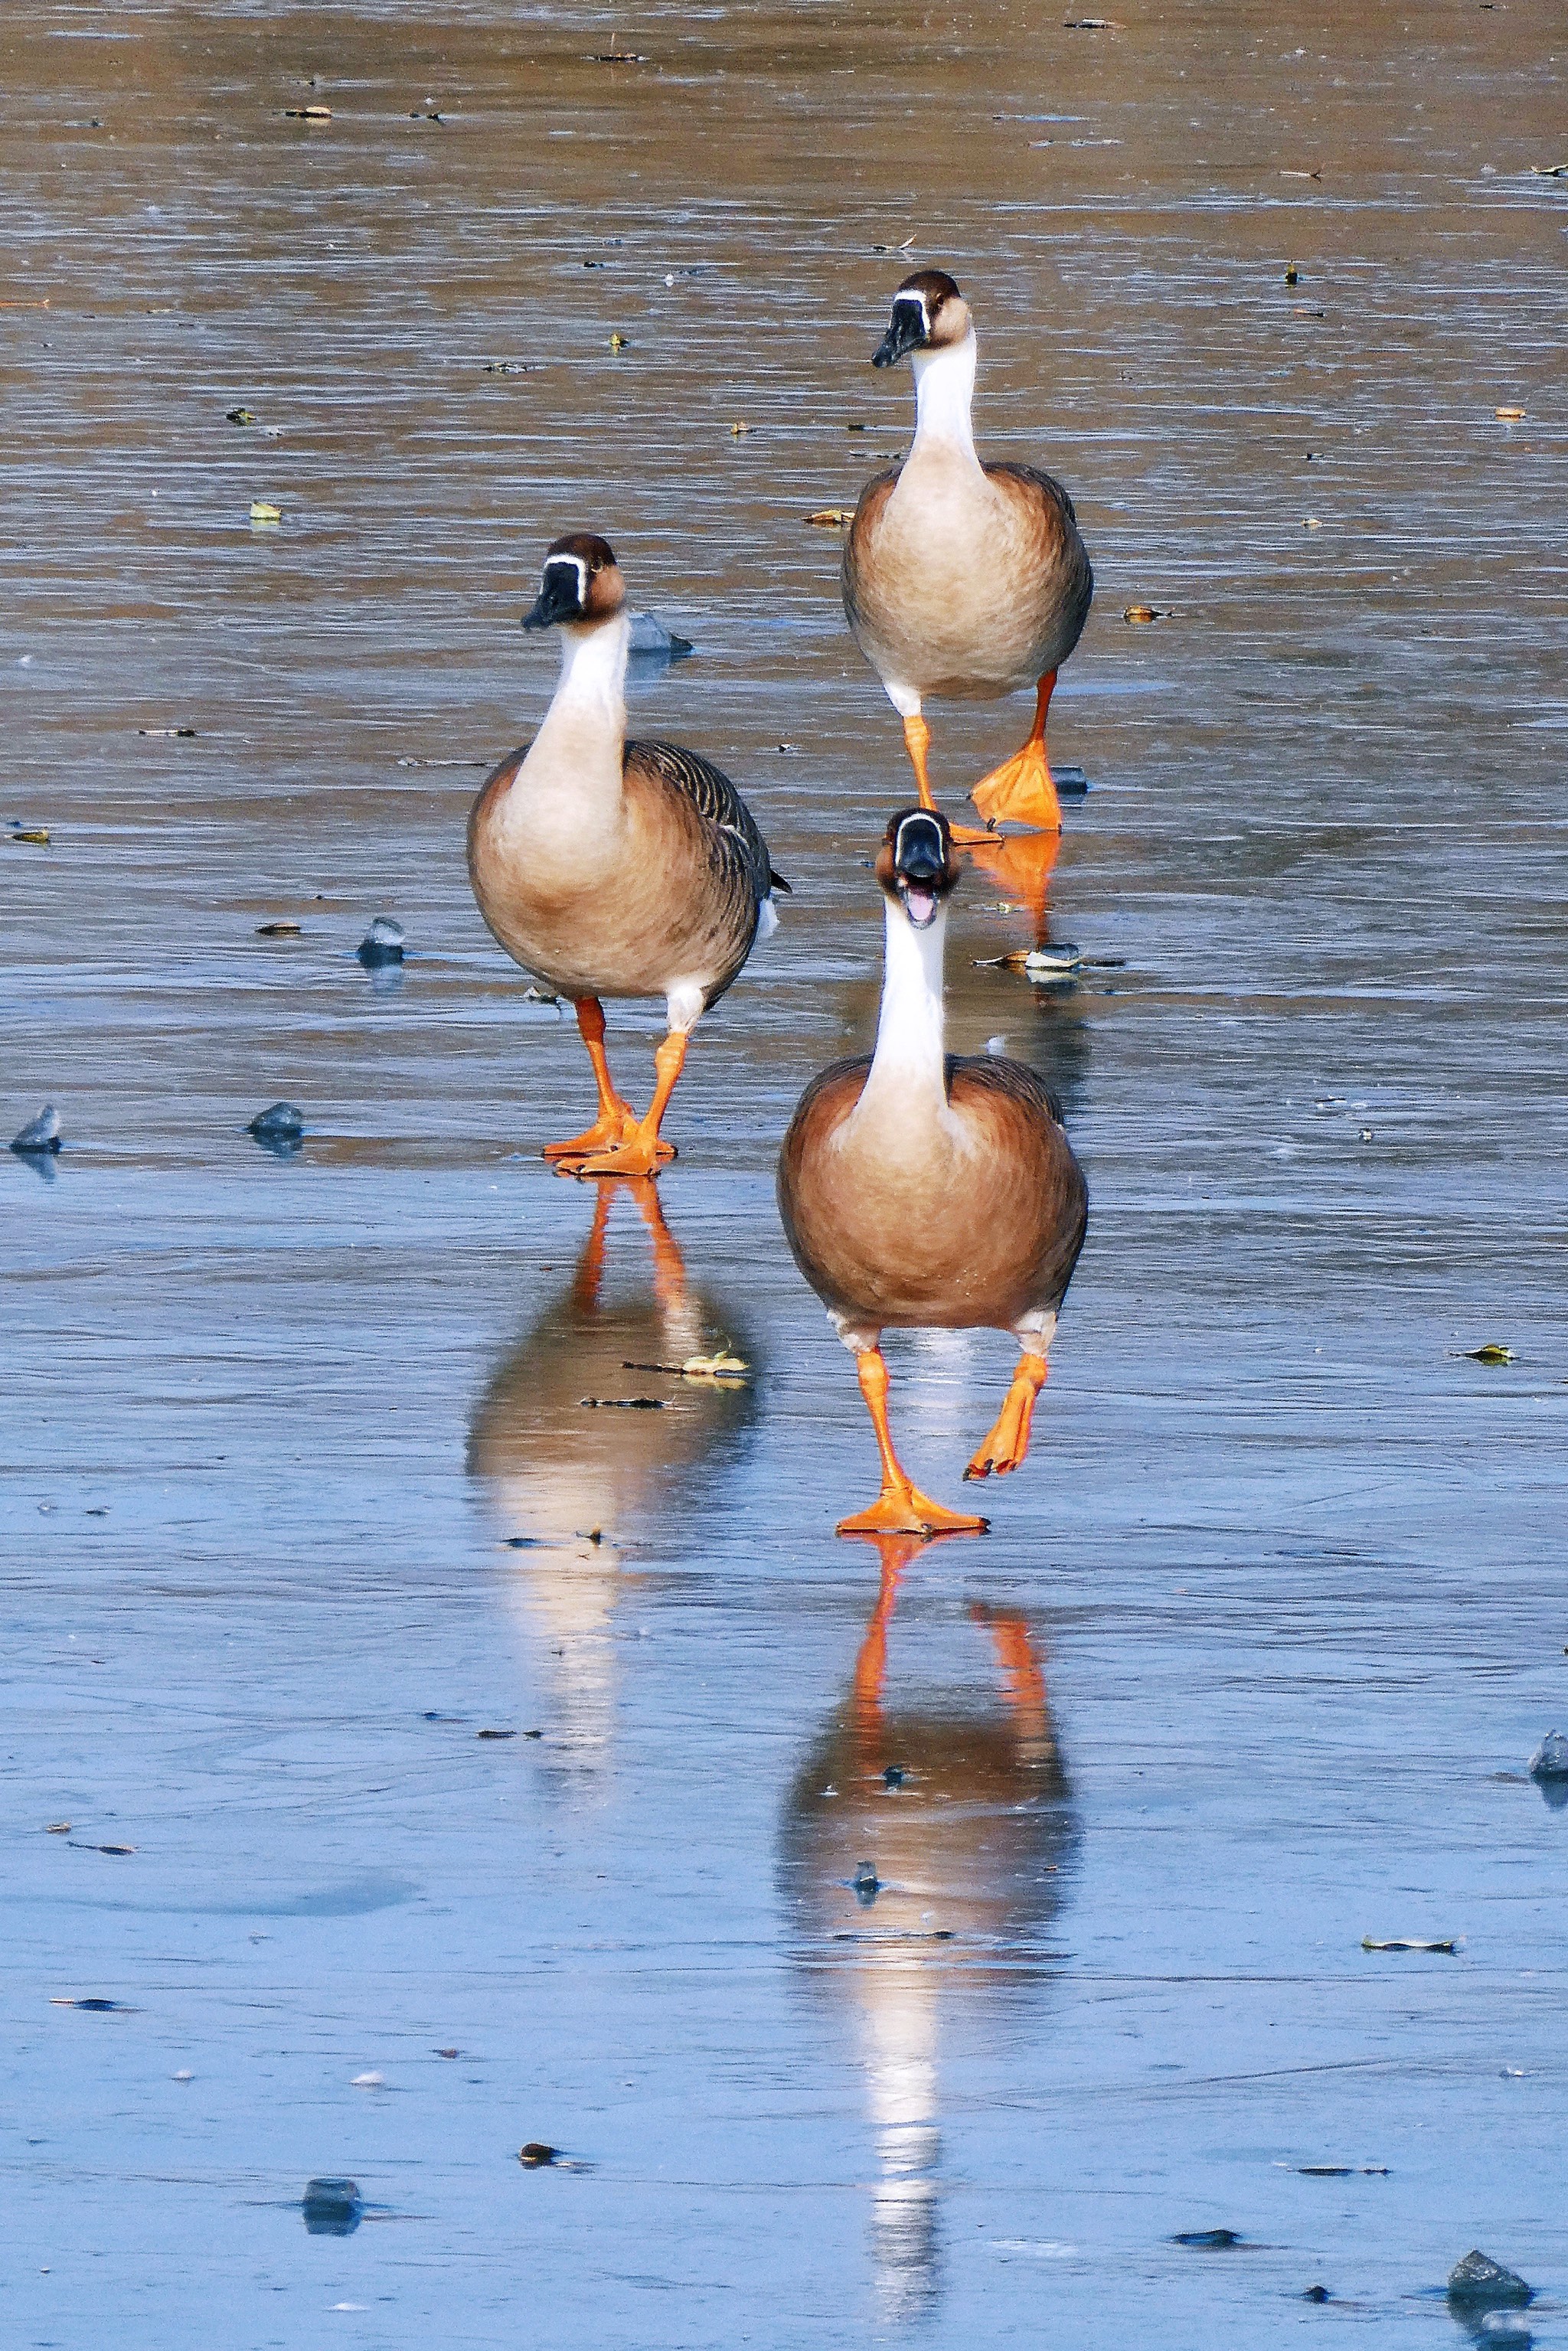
919 300
576 565
925 825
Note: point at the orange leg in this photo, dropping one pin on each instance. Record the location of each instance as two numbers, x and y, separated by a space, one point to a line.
590 1279
917 743
616 1119
1023 788
641 1152
669 1265
1004 1448
900 1508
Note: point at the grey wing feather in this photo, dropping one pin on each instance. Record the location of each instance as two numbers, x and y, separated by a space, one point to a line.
715 799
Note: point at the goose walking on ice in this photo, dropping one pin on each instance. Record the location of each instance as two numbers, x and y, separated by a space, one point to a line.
609 868
920 1190
961 577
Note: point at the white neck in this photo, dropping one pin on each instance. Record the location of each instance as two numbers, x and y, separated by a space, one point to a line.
909 1061
592 685
944 396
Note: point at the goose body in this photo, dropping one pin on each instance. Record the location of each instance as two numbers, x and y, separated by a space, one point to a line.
609 868
962 579
661 891
917 1190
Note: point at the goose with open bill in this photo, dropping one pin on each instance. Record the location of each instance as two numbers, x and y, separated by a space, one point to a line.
921 1190
609 868
960 577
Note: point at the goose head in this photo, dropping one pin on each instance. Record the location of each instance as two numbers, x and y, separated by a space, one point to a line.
582 585
929 314
916 866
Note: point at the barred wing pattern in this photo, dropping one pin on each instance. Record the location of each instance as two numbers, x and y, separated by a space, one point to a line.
739 845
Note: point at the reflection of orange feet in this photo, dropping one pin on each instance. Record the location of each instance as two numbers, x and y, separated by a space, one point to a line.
640 1155
1004 1448
904 1509
609 1130
1020 865
1021 789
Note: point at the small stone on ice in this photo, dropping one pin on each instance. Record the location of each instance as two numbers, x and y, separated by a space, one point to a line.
331 2207
536 2155
1550 1760
284 1122
368 2082
1482 2284
382 942
40 1133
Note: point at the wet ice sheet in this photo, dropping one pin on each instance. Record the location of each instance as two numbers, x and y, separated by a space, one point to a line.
1286 1564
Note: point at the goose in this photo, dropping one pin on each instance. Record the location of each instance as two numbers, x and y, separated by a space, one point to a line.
920 1190
613 867
961 577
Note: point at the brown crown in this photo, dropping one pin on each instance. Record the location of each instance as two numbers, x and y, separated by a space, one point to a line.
596 552
936 286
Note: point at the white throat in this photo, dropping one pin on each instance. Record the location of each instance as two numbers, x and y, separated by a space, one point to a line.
592 683
909 1057
571 784
944 398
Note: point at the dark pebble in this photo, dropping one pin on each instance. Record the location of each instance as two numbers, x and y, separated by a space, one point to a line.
1208 2240
283 1122
1316 2293
331 2207
536 2155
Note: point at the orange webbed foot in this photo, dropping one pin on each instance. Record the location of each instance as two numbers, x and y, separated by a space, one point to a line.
638 1155
1021 790
1004 1448
607 1132
905 1510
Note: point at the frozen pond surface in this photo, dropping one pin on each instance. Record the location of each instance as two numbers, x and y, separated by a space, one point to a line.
299 1494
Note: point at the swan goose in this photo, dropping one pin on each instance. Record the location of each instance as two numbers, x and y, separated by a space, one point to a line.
960 577
609 868
919 1190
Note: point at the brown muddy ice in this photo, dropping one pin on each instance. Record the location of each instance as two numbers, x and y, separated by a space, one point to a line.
300 1490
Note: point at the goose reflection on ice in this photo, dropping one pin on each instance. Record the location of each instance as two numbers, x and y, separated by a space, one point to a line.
572 1484
926 1850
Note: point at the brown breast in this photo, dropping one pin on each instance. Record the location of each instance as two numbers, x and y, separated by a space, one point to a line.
970 1223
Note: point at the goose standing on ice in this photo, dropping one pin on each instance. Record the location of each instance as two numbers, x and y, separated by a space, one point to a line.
613 867
918 1190
962 578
